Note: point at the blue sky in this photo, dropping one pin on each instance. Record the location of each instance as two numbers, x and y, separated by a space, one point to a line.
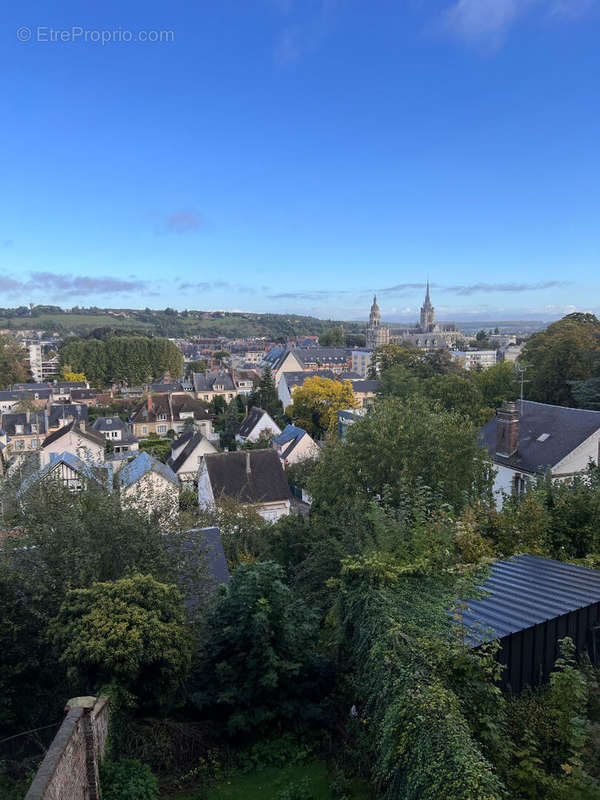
298 155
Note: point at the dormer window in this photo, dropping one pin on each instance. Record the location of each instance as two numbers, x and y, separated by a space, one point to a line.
161 416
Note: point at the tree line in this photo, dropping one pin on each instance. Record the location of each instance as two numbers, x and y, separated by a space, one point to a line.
122 359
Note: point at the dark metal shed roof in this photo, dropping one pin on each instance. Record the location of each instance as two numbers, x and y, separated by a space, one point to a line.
526 590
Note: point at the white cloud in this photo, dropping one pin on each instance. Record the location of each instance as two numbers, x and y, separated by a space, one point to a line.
488 21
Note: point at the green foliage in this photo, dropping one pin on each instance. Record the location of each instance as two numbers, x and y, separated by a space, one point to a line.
127 780
129 359
299 790
265 396
13 358
130 631
333 337
399 446
259 667
567 351
408 664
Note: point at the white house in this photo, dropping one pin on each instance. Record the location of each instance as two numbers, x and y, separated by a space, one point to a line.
528 439
75 438
73 472
149 485
294 445
256 422
470 359
253 477
187 453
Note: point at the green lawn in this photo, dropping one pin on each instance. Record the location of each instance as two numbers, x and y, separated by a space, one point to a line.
267 784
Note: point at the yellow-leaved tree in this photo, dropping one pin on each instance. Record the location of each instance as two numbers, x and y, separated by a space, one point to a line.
70 376
316 403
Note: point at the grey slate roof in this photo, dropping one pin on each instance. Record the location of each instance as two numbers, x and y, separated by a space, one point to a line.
66 411
109 424
192 443
526 590
141 465
205 381
88 433
266 482
250 421
568 428
31 387
204 544
365 386
10 421
290 436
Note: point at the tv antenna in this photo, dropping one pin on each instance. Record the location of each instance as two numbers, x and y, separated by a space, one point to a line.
521 369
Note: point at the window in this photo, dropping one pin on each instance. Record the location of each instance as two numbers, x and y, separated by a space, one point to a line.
161 428
34 444
20 444
206 397
144 430
161 416
34 427
115 434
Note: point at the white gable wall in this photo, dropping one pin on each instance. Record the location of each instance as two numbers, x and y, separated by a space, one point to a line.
306 448
579 459
76 444
206 498
192 463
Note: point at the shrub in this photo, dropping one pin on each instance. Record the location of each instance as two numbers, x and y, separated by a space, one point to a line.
127 780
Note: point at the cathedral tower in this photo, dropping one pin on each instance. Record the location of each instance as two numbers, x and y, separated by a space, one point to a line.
376 335
427 313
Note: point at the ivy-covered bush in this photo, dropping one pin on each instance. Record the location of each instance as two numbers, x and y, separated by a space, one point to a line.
127 780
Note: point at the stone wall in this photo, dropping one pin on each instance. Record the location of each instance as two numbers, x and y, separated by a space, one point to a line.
70 769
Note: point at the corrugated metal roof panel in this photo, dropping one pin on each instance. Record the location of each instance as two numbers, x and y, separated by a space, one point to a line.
525 591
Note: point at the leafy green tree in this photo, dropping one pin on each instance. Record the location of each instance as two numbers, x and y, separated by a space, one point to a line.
586 394
66 540
130 631
333 337
265 396
497 384
13 358
398 446
260 668
567 351
231 421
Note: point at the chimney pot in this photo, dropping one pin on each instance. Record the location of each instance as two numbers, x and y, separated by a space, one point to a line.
507 430
149 403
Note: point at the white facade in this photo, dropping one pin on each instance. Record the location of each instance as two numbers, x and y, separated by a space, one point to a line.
470 359
75 443
188 470
270 512
511 480
152 492
305 449
265 423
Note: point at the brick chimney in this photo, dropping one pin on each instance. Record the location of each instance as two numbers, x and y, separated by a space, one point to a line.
149 403
248 465
507 430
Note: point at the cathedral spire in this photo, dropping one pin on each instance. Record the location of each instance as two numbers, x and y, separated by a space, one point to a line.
427 312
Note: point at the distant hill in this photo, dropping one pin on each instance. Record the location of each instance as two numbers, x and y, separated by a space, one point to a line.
168 322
